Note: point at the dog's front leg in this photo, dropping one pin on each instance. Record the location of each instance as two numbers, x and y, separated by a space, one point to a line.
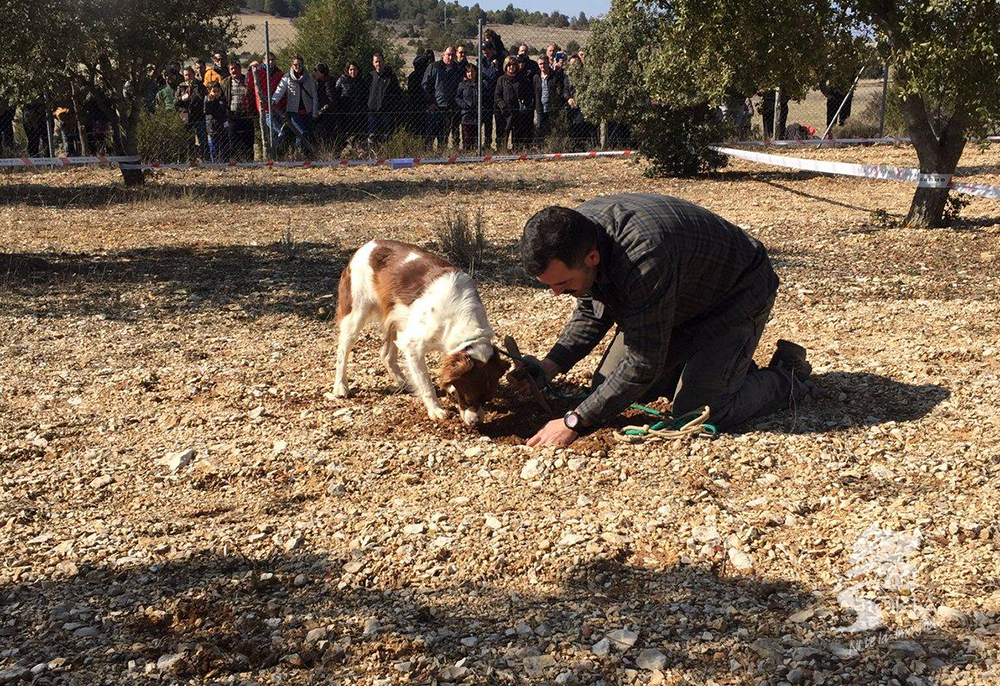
416 365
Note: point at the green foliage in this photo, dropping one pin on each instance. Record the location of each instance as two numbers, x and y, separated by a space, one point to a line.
675 137
947 52
336 31
162 136
107 47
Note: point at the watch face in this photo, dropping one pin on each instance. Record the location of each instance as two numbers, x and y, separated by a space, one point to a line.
571 420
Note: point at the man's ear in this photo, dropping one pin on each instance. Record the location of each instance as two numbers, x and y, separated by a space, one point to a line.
592 258
453 366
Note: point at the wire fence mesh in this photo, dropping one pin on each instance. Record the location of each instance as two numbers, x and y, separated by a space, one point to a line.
505 88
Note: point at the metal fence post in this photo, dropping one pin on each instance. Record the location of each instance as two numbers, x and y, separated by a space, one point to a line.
842 103
267 90
479 91
777 114
885 89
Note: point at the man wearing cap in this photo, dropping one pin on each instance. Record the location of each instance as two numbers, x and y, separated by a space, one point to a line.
689 293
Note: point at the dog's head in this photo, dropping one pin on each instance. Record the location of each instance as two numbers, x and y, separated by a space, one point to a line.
471 383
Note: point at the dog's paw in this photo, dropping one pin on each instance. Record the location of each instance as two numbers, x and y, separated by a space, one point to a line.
341 390
437 413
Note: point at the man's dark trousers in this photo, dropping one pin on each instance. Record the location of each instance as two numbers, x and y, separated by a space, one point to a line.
717 371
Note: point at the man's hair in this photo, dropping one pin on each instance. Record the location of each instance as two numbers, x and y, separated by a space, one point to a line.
378 54
299 58
556 233
323 69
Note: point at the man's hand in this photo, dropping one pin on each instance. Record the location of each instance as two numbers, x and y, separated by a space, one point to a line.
553 433
543 372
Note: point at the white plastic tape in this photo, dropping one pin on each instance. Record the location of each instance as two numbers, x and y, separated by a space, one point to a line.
392 163
934 181
868 171
64 161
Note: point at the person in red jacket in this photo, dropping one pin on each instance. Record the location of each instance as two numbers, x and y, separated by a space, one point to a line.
260 91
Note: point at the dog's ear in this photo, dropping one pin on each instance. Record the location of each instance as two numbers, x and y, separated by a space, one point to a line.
454 366
497 364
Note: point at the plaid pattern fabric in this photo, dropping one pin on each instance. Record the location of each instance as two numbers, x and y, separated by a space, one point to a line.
665 263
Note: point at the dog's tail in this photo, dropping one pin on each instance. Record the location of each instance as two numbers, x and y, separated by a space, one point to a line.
344 294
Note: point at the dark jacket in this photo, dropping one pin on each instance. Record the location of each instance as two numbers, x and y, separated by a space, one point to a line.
491 72
559 90
215 116
441 83
383 91
530 65
326 92
352 93
414 82
189 101
667 266
467 102
514 94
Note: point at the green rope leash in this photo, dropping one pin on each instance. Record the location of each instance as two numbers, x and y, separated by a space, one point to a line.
667 422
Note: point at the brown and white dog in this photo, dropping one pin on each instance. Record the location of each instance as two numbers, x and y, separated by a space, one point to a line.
424 304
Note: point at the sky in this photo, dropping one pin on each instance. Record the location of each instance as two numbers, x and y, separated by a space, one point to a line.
590 7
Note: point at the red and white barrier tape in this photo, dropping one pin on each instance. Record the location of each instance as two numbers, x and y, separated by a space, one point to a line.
868 171
65 161
392 163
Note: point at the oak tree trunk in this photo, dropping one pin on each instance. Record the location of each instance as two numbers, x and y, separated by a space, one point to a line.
938 154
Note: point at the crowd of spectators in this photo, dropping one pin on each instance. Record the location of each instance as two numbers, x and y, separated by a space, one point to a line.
224 106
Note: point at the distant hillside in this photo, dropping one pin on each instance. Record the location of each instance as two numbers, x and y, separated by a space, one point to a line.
409 37
420 11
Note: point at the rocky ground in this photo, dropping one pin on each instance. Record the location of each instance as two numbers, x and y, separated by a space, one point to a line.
182 500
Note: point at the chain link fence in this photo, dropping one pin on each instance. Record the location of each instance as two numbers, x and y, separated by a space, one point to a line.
511 88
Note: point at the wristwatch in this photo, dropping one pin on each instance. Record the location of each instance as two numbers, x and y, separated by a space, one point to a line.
572 420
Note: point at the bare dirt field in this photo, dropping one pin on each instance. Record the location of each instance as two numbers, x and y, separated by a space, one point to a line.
304 539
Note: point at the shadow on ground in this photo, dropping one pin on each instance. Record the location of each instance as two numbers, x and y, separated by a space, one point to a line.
282 277
272 191
219 616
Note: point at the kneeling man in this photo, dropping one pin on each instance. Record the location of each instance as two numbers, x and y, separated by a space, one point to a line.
690 294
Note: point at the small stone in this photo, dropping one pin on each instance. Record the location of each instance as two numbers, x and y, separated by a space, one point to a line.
532 469
705 534
740 560
454 673
87 632
415 529
371 626
295 660
623 638
178 460
12 675
469 641
950 616
650 659
101 481
576 464
354 566
794 676
257 412
279 447
300 580
474 451
292 543
493 522
316 635
601 648
801 616
170 661
536 666
571 539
